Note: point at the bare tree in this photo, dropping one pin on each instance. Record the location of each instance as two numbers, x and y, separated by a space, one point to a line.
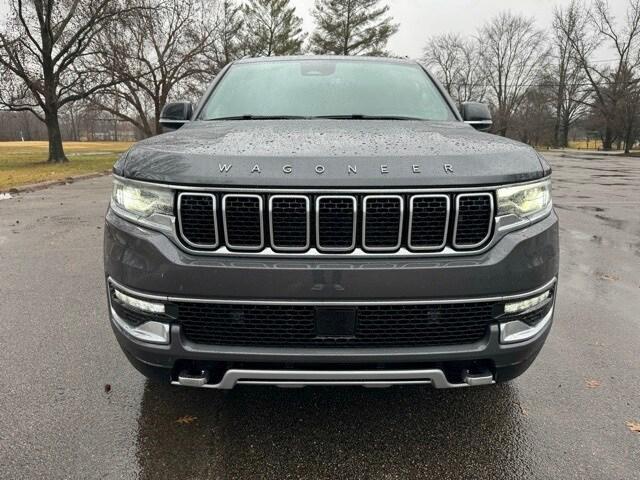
610 84
155 54
455 62
512 53
230 26
41 46
568 76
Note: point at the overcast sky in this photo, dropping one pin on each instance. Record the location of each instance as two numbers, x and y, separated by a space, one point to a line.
421 18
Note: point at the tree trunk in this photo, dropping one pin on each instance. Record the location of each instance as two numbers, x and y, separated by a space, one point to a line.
607 140
56 150
628 138
566 125
556 133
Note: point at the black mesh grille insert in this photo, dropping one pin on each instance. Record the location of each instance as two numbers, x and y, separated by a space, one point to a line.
383 217
243 221
377 325
197 219
335 222
428 222
289 222
474 219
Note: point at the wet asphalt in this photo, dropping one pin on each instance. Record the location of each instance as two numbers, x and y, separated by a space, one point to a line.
72 407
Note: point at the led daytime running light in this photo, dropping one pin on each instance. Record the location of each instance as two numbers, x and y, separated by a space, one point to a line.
140 304
523 305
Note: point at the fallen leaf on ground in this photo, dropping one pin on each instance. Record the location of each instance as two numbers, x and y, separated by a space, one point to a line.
186 420
634 426
608 276
592 383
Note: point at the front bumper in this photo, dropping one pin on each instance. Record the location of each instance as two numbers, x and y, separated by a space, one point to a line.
148 263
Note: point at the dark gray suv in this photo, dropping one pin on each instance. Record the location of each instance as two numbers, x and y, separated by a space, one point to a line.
330 221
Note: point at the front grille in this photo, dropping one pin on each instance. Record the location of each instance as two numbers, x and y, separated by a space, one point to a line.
336 227
289 220
382 222
336 223
474 216
198 219
243 221
429 221
295 325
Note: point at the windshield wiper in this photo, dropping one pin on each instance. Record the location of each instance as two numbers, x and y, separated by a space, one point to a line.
258 117
358 116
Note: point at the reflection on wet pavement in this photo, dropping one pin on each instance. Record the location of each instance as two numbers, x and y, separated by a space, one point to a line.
330 432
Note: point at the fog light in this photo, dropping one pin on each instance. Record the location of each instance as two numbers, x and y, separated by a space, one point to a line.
517 331
528 304
139 304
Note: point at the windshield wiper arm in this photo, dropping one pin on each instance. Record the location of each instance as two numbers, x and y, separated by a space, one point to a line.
258 117
359 116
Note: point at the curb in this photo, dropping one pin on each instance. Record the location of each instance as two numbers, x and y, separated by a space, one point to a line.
50 183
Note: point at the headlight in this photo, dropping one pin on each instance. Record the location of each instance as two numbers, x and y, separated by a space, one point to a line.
525 200
152 206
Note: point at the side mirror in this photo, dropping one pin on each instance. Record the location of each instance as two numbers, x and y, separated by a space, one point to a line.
174 115
477 115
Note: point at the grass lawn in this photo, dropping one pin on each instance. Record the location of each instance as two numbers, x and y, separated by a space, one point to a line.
22 163
585 145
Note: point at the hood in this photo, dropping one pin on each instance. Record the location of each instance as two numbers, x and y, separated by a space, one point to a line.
330 153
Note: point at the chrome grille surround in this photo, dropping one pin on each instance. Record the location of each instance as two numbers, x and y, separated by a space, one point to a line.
454 241
211 246
390 248
307 244
225 199
319 200
411 218
340 216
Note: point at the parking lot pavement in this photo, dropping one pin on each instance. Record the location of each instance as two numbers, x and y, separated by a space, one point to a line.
72 407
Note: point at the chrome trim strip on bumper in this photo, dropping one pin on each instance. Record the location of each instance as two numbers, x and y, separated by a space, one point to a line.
301 378
500 298
517 331
151 332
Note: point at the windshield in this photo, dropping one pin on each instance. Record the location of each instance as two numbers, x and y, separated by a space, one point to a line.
326 88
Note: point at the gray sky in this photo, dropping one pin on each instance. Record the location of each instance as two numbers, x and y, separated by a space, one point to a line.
421 18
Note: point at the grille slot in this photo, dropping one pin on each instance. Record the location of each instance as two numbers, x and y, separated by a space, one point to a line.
474 218
428 222
197 219
336 223
289 222
243 227
382 222
294 325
